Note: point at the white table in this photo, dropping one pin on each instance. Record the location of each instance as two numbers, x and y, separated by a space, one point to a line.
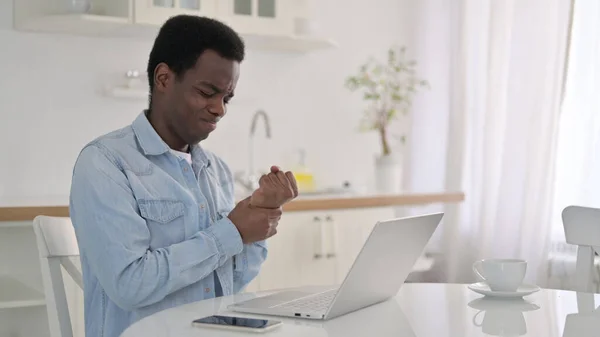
423 310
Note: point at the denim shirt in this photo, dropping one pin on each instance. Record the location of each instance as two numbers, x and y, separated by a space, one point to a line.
152 229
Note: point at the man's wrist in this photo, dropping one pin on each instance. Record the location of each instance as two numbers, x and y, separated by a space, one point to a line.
263 207
233 221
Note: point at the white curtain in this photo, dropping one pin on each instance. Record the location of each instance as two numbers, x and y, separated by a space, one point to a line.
507 81
578 158
578 164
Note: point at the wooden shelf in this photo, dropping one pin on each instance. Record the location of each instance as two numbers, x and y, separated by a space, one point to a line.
107 26
26 211
127 93
78 24
14 294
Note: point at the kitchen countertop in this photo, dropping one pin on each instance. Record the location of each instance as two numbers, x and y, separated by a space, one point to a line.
25 209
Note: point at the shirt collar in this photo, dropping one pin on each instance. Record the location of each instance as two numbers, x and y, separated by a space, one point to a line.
153 145
199 156
149 140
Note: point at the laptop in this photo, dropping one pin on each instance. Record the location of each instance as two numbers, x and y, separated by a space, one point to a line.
380 269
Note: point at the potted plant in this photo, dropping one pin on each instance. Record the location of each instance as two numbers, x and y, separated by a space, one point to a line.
388 88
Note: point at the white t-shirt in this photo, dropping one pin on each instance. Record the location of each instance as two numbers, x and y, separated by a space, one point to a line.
183 155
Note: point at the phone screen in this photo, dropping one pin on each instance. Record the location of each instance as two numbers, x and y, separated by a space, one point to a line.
241 322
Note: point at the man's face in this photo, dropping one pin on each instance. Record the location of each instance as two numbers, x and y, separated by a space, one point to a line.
197 100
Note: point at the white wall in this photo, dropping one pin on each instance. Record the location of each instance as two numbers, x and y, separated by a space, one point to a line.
51 102
51 105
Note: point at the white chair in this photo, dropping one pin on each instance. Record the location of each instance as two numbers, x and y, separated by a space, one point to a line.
57 245
582 228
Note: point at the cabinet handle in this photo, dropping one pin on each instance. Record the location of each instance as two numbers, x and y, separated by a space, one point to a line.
318 239
323 229
332 252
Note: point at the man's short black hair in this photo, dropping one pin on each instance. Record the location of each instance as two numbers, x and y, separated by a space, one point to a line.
183 38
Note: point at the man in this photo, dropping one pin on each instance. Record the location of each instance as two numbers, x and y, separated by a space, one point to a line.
153 212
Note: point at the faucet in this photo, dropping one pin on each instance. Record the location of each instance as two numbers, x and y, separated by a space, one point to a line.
263 114
249 180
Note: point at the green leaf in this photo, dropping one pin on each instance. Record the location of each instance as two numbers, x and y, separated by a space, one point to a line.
397 97
371 96
367 125
392 113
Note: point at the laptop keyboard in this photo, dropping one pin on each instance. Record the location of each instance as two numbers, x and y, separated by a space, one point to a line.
316 303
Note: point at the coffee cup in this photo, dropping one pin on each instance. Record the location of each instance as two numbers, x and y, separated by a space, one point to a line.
501 274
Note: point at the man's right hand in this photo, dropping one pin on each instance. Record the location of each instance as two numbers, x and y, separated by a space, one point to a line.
254 223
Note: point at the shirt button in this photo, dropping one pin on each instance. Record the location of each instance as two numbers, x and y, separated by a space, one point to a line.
185 169
206 290
201 206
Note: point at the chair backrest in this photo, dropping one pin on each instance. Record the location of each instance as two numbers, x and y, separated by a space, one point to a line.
582 228
57 244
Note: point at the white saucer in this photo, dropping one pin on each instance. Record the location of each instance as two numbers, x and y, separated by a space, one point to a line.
523 290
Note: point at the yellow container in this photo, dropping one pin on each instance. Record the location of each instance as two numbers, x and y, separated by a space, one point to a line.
304 178
305 181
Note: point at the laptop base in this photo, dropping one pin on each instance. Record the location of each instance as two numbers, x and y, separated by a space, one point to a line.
272 304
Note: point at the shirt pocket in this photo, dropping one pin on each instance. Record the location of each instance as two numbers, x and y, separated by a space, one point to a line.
165 220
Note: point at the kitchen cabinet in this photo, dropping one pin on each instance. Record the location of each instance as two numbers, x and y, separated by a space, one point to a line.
316 248
261 17
155 12
21 292
22 299
276 25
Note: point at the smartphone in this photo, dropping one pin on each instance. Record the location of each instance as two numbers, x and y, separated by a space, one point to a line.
236 323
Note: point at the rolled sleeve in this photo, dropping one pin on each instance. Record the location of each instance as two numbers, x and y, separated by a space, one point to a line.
248 263
227 238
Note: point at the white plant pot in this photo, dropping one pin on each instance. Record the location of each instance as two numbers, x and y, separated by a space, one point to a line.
388 174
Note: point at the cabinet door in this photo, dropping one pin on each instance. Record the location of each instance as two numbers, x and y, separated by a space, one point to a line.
317 262
258 17
156 12
297 256
281 269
